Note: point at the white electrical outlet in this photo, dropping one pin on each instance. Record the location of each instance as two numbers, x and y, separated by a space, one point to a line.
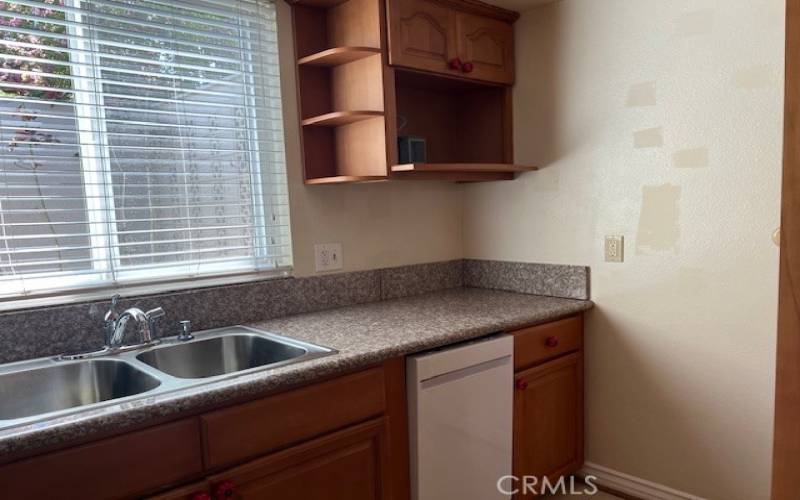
328 256
615 248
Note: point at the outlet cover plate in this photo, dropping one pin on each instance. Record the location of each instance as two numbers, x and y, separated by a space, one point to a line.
615 249
327 256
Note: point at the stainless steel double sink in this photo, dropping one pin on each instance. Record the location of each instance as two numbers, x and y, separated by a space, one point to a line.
48 387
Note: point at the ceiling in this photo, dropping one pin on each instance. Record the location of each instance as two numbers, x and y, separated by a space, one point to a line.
518 5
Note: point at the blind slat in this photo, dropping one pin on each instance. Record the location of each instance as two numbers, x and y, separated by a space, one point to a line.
131 22
268 47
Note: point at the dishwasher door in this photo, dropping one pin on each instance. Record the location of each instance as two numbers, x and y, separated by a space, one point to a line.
460 404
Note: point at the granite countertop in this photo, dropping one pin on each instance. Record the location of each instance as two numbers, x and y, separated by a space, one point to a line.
363 334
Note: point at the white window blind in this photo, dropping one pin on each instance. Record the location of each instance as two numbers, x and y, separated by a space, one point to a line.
142 141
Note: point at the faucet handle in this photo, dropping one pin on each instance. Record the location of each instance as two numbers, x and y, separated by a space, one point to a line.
154 313
110 320
111 314
186 331
151 316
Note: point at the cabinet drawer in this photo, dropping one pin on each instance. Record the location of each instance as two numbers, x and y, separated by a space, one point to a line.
187 492
274 422
542 342
351 464
112 468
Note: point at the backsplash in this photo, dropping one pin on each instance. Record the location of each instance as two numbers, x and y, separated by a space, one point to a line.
48 331
555 280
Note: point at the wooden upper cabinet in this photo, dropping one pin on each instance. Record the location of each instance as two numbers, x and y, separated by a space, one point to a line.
422 35
487 44
428 34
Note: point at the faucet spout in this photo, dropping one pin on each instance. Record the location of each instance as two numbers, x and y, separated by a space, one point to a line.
118 334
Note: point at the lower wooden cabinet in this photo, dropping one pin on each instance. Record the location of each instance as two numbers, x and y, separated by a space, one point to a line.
196 491
348 465
119 467
548 418
548 402
351 464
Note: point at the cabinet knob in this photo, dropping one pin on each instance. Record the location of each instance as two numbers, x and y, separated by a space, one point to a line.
467 67
224 490
455 64
521 384
551 341
200 495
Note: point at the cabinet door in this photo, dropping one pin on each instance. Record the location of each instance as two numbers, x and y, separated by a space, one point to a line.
548 419
422 35
488 44
110 468
347 465
194 491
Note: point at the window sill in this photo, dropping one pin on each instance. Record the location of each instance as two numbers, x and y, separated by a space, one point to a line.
139 289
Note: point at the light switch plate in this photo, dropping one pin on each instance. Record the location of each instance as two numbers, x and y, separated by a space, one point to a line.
327 256
615 248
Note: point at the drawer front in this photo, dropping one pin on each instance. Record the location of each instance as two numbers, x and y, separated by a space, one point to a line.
275 422
542 342
351 464
188 492
118 467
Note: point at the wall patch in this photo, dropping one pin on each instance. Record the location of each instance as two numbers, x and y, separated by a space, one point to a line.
659 226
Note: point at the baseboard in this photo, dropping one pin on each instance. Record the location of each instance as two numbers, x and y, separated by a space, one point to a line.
630 485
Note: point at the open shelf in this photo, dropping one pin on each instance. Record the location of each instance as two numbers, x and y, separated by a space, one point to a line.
344 179
463 167
341 118
340 79
454 176
337 56
465 126
355 109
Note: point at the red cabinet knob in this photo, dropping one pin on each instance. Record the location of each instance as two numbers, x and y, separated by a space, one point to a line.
224 490
551 341
201 495
467 67
455 64
521 384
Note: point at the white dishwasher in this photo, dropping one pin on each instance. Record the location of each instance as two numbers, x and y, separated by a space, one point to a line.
460 403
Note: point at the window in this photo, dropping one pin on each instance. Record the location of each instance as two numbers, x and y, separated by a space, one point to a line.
142 141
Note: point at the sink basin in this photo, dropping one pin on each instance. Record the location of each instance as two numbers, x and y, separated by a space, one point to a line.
45 388
225 354
59 387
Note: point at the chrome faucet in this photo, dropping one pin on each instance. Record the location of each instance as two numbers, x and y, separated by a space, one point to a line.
114 331
145 321
114 324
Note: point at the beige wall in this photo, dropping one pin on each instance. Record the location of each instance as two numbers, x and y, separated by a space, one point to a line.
379 225
661 121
